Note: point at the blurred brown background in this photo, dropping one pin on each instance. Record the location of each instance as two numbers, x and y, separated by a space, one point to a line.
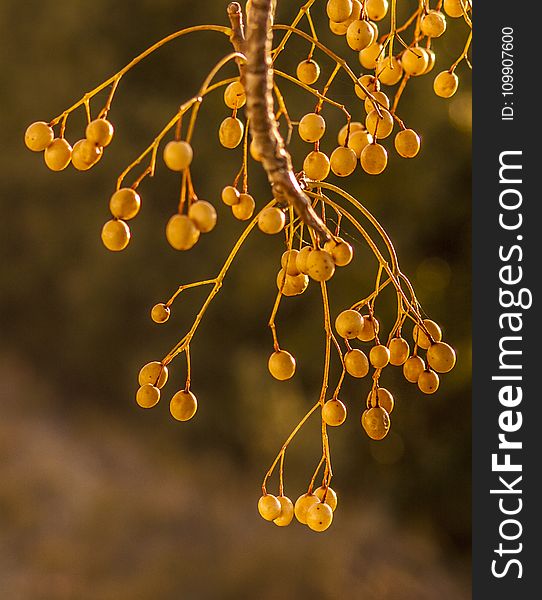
102 500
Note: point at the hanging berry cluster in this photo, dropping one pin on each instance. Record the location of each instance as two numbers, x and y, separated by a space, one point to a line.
304 255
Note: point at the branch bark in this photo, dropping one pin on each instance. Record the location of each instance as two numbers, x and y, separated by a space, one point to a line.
257 78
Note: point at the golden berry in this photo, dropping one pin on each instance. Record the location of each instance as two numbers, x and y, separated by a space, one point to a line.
183 406
147 396
308 71
115 235
379 126
349 324
125 204
339 10
203 215
231 132
341 251
281 365
454 8
446 84
379 356
334 413
58 154
433 24
255 152
428 382
292 285
328 496
368 56
376 9
369 82
374 159
316 165
399 351
376 422
178 155
407 143
244 209
181 232
354 126
100 132
302 505
269 507
154 373
359 35
343 161
85 154
230 195
319 516
311 127
301 259
286 512
38 136
420 337
234 95
288 262
160 313
320 265
413 368
356 363
271 220
441 357
381 397
389 70
358 140
415 61
379 99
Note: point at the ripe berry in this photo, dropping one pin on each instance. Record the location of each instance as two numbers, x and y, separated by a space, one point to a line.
231 132
302 505
320 265
415 61
244 209
334 412
349 324
319 516
316 165
376 422
183 406
407 143
154 373
356 363
286 512
354 126
147 396
125 204
368 56
343 161
230 195
446 84
330 496
38 136
293 285
85 154
413 368
379 126
288 262
433 24
431 58
373 159
58 154
381 397
115 235
376 9
359 35
301 259
389 71
399 351
254 152
369 82
371 327
269 507
281 365
382 101
100 132
358 140
160 313
181 232
428 382
419 336
338 28
441 357
311 127
178 155
203 214
234 95
271 220
341 251
454 8
308 71
339 10
379 356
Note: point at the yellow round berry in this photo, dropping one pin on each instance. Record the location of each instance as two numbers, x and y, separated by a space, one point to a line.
354 126
319 516
311 127
379 126
446 84
316 165
389 70
244 209
302 505
147 396
399 351
415 61
320 265
407 143
115 235
358 140
301 259
281 365
203 215
428 382
381 397
339 10
308 71
338 28
181 232
183 406
38 136
376 9
255 152
85 154
160 313
231 132
154 373
371 327
230 195
343 161
58 154
368 56
234 95
441 357
125 204
349 324
380 99
454 8
178 155
369 82
100 132
269 507
327 495
271 220
433 24
359 35
356 363
373 159
334 413
413 368
286 512
420 337
288 262
431 59
341 251
379 356
376 422
292 285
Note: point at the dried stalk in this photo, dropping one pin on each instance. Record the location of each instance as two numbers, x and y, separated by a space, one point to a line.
257 78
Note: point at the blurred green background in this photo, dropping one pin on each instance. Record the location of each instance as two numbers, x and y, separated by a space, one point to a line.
102 500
